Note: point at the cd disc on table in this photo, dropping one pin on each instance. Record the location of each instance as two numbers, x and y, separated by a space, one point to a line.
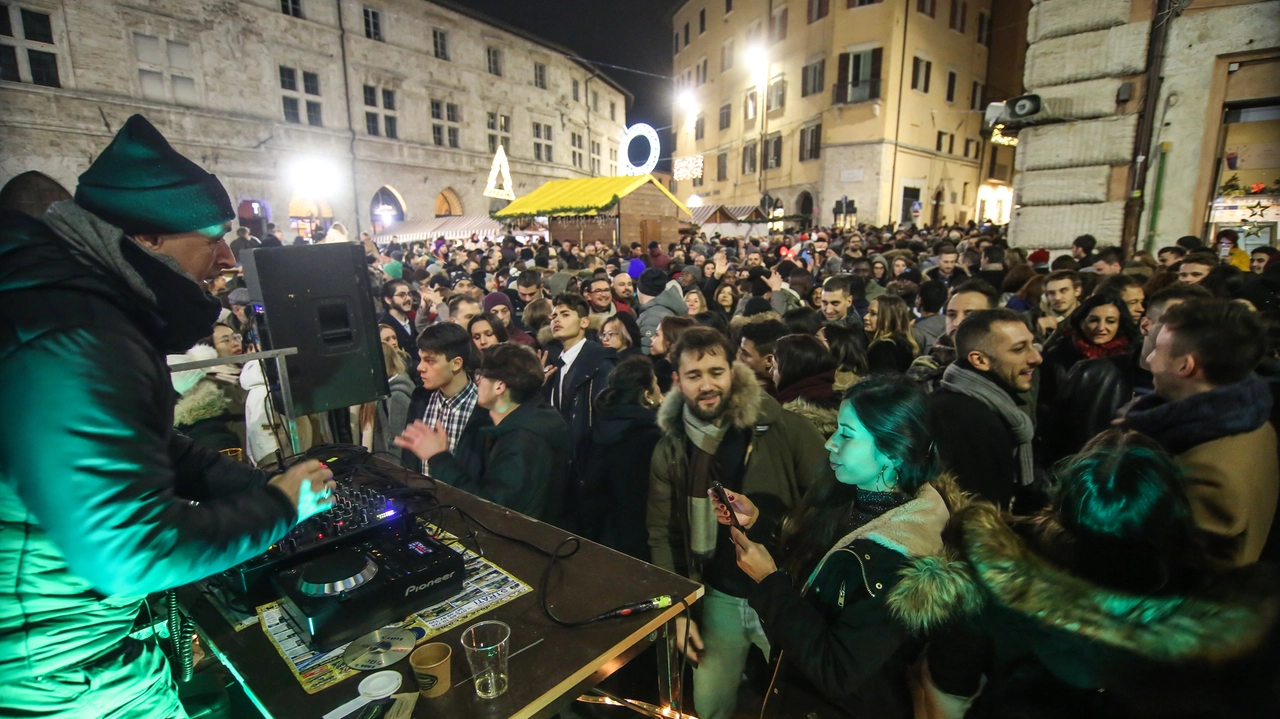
379 648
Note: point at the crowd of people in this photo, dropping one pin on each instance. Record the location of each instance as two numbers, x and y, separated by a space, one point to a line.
939 451
958 478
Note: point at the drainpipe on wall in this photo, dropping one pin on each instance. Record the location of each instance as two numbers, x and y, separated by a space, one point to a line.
1160 23
346 90
897 129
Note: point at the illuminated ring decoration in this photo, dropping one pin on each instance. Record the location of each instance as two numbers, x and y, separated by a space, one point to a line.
631 133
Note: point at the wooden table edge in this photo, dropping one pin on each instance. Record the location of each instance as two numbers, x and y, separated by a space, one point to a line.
532 708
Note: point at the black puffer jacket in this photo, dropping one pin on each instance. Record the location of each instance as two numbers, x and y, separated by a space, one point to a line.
610 486
101 501
840 653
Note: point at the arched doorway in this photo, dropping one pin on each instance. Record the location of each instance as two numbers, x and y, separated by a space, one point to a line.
804 207
254 215
386 209
32 193
448 203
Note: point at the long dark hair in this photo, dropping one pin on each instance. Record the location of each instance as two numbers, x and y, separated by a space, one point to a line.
1127 329
1123 501
848 346
895 411
799 356
628 383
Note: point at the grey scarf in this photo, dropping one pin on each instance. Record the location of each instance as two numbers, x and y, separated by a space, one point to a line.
96 242
705 436
974 384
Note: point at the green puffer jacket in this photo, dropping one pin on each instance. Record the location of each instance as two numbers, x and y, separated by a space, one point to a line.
101 501
786 456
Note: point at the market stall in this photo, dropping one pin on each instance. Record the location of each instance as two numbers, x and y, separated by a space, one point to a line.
613 210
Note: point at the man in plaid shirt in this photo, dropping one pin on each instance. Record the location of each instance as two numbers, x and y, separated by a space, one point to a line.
447 397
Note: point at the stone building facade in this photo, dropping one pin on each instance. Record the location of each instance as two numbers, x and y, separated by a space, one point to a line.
1098 161
811 101
309 111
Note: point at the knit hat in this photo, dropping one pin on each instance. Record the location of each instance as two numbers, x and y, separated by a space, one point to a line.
143 186
493 299
652 282
394 270
238 297
755 306
1039 257
635 268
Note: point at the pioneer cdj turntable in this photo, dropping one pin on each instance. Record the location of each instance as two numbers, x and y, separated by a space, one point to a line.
349 591
357 510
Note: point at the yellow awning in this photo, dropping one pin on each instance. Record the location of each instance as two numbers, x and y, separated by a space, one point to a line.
581 197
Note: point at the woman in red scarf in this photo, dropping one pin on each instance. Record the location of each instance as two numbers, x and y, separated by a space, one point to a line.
1100 327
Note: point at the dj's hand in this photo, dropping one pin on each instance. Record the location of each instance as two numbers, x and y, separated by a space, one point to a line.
310 485
753 558
742 506
425 442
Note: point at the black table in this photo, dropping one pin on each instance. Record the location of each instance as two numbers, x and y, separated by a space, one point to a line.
567 662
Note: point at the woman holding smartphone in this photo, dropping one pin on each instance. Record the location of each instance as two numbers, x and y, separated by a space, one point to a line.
841 653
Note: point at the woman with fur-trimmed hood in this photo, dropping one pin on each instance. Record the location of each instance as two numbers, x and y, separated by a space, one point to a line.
839 653
1096 608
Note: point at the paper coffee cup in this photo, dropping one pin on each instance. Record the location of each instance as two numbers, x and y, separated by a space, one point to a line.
430 663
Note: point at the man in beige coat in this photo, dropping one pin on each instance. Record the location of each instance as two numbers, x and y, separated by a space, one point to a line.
1211 412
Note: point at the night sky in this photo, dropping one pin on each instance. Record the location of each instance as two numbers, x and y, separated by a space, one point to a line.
631 33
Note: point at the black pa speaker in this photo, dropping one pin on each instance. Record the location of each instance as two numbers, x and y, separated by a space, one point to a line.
317 298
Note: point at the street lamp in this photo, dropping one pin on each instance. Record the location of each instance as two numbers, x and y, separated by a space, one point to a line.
314 177
687 102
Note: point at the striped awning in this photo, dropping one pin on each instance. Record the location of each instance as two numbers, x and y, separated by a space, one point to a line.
463 226
450 227
745 212
702 214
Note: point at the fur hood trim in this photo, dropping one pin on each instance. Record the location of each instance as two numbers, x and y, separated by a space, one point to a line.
744 407
545 336
204 401
992 563
822 418
737 321
913 530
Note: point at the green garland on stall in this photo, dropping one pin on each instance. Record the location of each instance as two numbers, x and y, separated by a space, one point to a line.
564 211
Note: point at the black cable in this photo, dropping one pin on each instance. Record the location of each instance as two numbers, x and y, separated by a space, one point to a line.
556 555
181 630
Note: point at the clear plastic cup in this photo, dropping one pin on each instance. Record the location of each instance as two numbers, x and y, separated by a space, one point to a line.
487 645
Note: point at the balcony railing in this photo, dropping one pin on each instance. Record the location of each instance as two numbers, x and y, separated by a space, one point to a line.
857 91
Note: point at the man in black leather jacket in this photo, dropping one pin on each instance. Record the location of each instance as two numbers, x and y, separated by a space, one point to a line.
101 501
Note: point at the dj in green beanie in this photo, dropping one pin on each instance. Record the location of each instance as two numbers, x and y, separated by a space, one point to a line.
109 501
143 186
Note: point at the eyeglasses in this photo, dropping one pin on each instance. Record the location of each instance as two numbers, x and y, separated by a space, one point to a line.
609 335
227 339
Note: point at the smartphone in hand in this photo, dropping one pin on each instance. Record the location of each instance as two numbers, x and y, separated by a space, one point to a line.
720 495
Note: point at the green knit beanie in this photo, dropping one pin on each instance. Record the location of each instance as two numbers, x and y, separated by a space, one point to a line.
143 186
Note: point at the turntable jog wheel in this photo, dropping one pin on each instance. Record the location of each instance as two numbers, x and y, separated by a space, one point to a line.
379 648
336 573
